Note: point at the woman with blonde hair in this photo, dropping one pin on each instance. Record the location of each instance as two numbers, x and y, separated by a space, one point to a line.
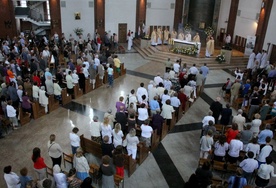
106 129
256 123
81 165
118 135
132 141
54 150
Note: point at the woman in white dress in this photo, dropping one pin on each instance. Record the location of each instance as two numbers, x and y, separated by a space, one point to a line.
256 123
132 142
118 135
106 129
81 165
60 178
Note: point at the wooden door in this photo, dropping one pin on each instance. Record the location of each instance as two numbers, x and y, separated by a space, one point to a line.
122 32
273 54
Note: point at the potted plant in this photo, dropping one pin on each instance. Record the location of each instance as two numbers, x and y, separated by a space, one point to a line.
78 31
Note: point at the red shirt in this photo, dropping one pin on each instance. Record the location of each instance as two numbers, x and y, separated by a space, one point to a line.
37 79
39 164
231 134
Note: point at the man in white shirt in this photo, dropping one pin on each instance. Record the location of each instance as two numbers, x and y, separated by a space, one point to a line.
207 118
157 79
86 63
249 165
176 67
239 119
265 151
96 60
263 62
235 147
193 70
141 91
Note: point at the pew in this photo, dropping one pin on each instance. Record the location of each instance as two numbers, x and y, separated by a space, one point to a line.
123 69
105 81
65 97
98 82
38 111
115 73
129 164
180 113
77 91
154 140
164 130
24 117
53 103
173 121
88 86
90 146
142 151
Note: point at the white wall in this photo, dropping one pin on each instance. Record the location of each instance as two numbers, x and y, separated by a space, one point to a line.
223 15
246 23
271 28
160 13
120 11
69 23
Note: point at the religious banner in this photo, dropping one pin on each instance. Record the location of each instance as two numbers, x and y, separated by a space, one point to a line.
250 44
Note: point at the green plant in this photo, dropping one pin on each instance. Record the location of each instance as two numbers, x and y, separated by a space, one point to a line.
78 31
209 31
185 50
221 58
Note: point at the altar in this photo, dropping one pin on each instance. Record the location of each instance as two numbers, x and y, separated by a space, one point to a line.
183 43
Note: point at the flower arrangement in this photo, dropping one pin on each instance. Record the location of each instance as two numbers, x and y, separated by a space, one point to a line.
221 58
78 31
209 31
187 27
186 50
146 37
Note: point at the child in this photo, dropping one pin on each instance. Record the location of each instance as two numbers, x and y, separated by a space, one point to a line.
118 159
24 178
117 134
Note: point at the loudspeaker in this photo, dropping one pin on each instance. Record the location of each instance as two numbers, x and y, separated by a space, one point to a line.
172 5
239 13
63 4
90 4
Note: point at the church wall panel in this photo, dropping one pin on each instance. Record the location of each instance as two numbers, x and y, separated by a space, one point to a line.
86 22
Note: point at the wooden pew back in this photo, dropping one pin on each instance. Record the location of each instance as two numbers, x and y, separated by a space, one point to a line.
90 146
24 118
65 98
154 139
53 103
143 152
129 164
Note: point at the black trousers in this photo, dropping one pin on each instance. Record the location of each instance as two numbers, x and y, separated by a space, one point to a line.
56 161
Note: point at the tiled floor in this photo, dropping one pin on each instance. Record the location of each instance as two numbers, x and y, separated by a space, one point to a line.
169 166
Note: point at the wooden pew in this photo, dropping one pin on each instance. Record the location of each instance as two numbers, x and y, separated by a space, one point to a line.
98 82
24 118
173 121
154 139
142 151
90 146
123 69
65 98
38 111
53 103
105 80
88 86
180 113
115 73
164 130
77 91
129 164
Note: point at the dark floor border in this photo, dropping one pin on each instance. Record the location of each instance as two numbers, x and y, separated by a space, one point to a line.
167 167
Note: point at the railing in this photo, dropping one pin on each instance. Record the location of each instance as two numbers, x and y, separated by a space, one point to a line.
36 15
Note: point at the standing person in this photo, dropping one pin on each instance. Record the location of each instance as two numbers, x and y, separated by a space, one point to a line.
106 171
60 177
43 98
235 147
72 180
106 129
69 83
24 178
110 117
210 45
157 122
121 118
205 71
253 147
248 166
255 125
167 111
235 88
118 158
265 172
74 139
265 151
132 141
220 148
146 133
81 165
11 178
11 113
118 135
216 108
226 115
129 42
239 120
39 165
95 128
204 175
110 76
206 143
54 150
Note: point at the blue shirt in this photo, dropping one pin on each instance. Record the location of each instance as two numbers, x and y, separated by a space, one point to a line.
154 105
231 182
24 180
263 134
205 71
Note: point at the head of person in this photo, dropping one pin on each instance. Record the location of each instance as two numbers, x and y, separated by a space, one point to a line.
79 152
86 182
250 154
210 133
222 139
267 139
121 98
117 127
75 130
210 113
144 97
106 121
239 172
118 150
234 126
106 160
36 154
7 169
142 84
105 139
52 138
240 111
47 183
109 111
227 105
238 136
268 160
248 127
268 126
132 132
166 92
56 169
146 122
206 165
168 102
72 172
132 91
210 123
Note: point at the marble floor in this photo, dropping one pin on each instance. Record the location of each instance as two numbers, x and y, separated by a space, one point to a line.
170 165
